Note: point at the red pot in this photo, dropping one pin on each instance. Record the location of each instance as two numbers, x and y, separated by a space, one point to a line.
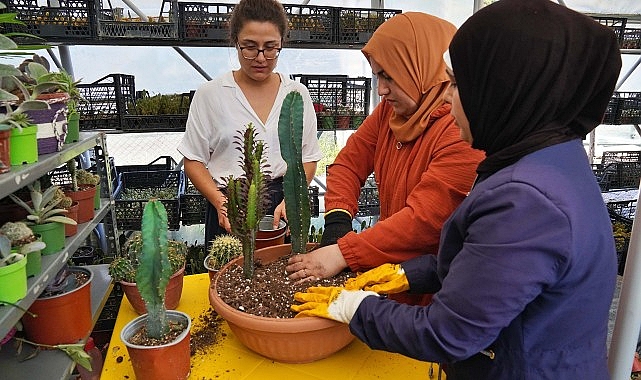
85 197
172 293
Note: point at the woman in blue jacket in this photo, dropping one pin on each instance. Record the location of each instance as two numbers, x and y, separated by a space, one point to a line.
526 269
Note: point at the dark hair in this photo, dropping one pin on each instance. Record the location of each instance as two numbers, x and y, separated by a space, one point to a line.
257 10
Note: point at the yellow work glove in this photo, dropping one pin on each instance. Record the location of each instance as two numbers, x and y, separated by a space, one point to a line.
384 279
329 302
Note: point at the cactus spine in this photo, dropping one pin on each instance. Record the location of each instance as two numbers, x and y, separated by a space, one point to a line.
290 136
154 269
222 249
247 196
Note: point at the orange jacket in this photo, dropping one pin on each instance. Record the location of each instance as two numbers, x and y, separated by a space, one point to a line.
419 186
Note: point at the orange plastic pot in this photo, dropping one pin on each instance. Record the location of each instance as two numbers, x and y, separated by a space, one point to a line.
287 340
72 229
172 293
267 236
64 318
85 198
166 361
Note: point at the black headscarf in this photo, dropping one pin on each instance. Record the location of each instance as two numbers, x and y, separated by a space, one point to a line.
531 74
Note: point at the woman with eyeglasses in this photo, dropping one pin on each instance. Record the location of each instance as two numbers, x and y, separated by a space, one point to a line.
252 94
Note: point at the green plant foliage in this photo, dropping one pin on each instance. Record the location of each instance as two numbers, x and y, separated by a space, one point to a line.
45 206
290 136
154 269
167 104
247 196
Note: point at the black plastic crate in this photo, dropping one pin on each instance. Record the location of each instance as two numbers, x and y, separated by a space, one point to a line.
621 156
154 123
160 163
129 212
106 101
617 24
72 20
314 204
629 107
368 203
310 23
622 215
610 115
356 25
631 39
619 176
192 205
340 102
204 21
164 27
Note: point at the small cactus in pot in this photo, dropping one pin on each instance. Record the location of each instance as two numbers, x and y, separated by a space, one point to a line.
21 237
222 249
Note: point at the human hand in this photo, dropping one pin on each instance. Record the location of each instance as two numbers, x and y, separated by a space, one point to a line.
337 225
279 213
334 302
223 221
384 279
320 263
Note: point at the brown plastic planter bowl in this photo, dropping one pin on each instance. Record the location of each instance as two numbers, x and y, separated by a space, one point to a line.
287 340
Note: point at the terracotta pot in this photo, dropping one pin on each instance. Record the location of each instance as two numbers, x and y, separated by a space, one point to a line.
212 272
288 340
166 361
267 236
12 212
172 293
5 158
85 197
63 318
72 229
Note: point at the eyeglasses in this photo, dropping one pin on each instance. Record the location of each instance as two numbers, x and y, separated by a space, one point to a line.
251 53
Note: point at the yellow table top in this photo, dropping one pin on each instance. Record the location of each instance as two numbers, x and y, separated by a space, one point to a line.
229 359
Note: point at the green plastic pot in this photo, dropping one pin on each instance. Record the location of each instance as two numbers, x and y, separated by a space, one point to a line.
24 145
13 281
52 234
34 263
73 128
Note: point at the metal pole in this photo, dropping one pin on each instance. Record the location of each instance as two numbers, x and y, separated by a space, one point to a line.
628 319
192 63
627 75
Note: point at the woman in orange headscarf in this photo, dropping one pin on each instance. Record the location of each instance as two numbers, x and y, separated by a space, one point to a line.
423 169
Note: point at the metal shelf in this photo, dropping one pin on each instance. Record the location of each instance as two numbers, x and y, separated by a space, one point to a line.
55 363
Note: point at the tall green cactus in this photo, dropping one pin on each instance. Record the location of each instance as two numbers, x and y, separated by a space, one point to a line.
248 196
290 136
154 269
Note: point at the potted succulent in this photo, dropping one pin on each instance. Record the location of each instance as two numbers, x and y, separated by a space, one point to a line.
13 273
124 269
221 250
15 123
157 342
24 242
46 86
82 190
71 206
292 340
62 312
45 217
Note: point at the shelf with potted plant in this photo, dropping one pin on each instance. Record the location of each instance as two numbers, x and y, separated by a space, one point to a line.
58 364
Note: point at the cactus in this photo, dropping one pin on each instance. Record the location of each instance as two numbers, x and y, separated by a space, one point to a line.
85 177
124 267
154 269
290 136
222 249
71 167
21 237
247 196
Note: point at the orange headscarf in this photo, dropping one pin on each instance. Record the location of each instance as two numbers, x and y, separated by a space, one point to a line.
410 47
